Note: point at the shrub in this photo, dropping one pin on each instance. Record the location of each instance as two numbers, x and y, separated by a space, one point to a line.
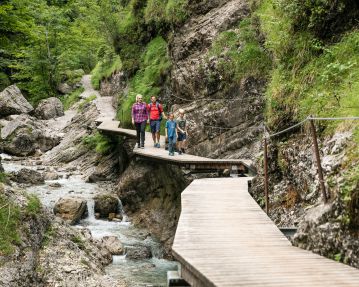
98 142
148 80
33 206
69 100
9 222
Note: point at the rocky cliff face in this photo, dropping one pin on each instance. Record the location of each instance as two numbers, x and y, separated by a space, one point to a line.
48 252
151 195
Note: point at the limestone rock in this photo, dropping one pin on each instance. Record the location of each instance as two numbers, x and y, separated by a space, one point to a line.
13 102
71 209
25 134
25 175
138 252
51 176
49 108
64 88
106 204
113 245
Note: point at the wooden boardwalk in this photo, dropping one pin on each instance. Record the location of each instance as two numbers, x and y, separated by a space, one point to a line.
160 154
224 238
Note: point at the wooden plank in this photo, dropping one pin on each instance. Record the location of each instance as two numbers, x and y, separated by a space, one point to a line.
224 238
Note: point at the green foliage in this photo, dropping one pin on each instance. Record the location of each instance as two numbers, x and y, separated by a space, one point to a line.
322 17
309 77
33 206
69 100
86 101
43 44
98 142
176 11
105 69
49 235
148 80
9 222
3 177
240 54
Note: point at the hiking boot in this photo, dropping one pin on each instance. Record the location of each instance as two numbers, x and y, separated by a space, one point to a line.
172 153
142 146
138 146
179 152
182 149
155 145
158 145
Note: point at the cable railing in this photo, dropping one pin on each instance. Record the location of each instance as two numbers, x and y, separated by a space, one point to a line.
311 119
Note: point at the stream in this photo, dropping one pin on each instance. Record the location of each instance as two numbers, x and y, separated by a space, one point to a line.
136 273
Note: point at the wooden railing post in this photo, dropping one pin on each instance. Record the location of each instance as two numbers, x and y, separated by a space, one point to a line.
266 175
317 155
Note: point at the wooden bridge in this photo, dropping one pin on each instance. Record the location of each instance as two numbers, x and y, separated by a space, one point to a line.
224 238
194 163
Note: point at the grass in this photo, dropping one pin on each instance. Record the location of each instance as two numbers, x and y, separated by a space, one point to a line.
78 241
148 80
49 235
105 69
309 77
3 177
69 100
9 222
86 101
239 53
98 142
33 206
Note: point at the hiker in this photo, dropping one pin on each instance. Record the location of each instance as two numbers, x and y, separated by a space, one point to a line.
171 128
181 132
155 111
139 119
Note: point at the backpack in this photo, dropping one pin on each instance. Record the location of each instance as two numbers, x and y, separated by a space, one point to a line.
158 108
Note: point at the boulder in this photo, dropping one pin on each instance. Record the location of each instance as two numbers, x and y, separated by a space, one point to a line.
106 204
12 102
113 245
64 88
25 134
25 175
51 175
138 252
71 209
49 108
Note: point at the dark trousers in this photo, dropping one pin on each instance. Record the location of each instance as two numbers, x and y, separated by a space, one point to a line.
140 131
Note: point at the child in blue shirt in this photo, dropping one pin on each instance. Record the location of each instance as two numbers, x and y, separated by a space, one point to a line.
171 131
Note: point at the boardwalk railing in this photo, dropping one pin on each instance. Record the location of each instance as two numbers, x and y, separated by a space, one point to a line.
311 120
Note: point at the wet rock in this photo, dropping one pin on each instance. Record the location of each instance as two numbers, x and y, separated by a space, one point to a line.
71 209
25 175
24 135
97 215
49 108
138 252
13 102
106 204
113 245
55 184
51 176
111 216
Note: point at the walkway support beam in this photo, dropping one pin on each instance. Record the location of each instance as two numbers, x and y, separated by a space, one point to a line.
319 164
266 184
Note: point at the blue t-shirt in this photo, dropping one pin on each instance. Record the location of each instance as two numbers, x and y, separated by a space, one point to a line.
171 127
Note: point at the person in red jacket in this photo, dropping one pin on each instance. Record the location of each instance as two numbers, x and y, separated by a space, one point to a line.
155 111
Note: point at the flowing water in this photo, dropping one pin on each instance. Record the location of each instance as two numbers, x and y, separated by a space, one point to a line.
137 273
